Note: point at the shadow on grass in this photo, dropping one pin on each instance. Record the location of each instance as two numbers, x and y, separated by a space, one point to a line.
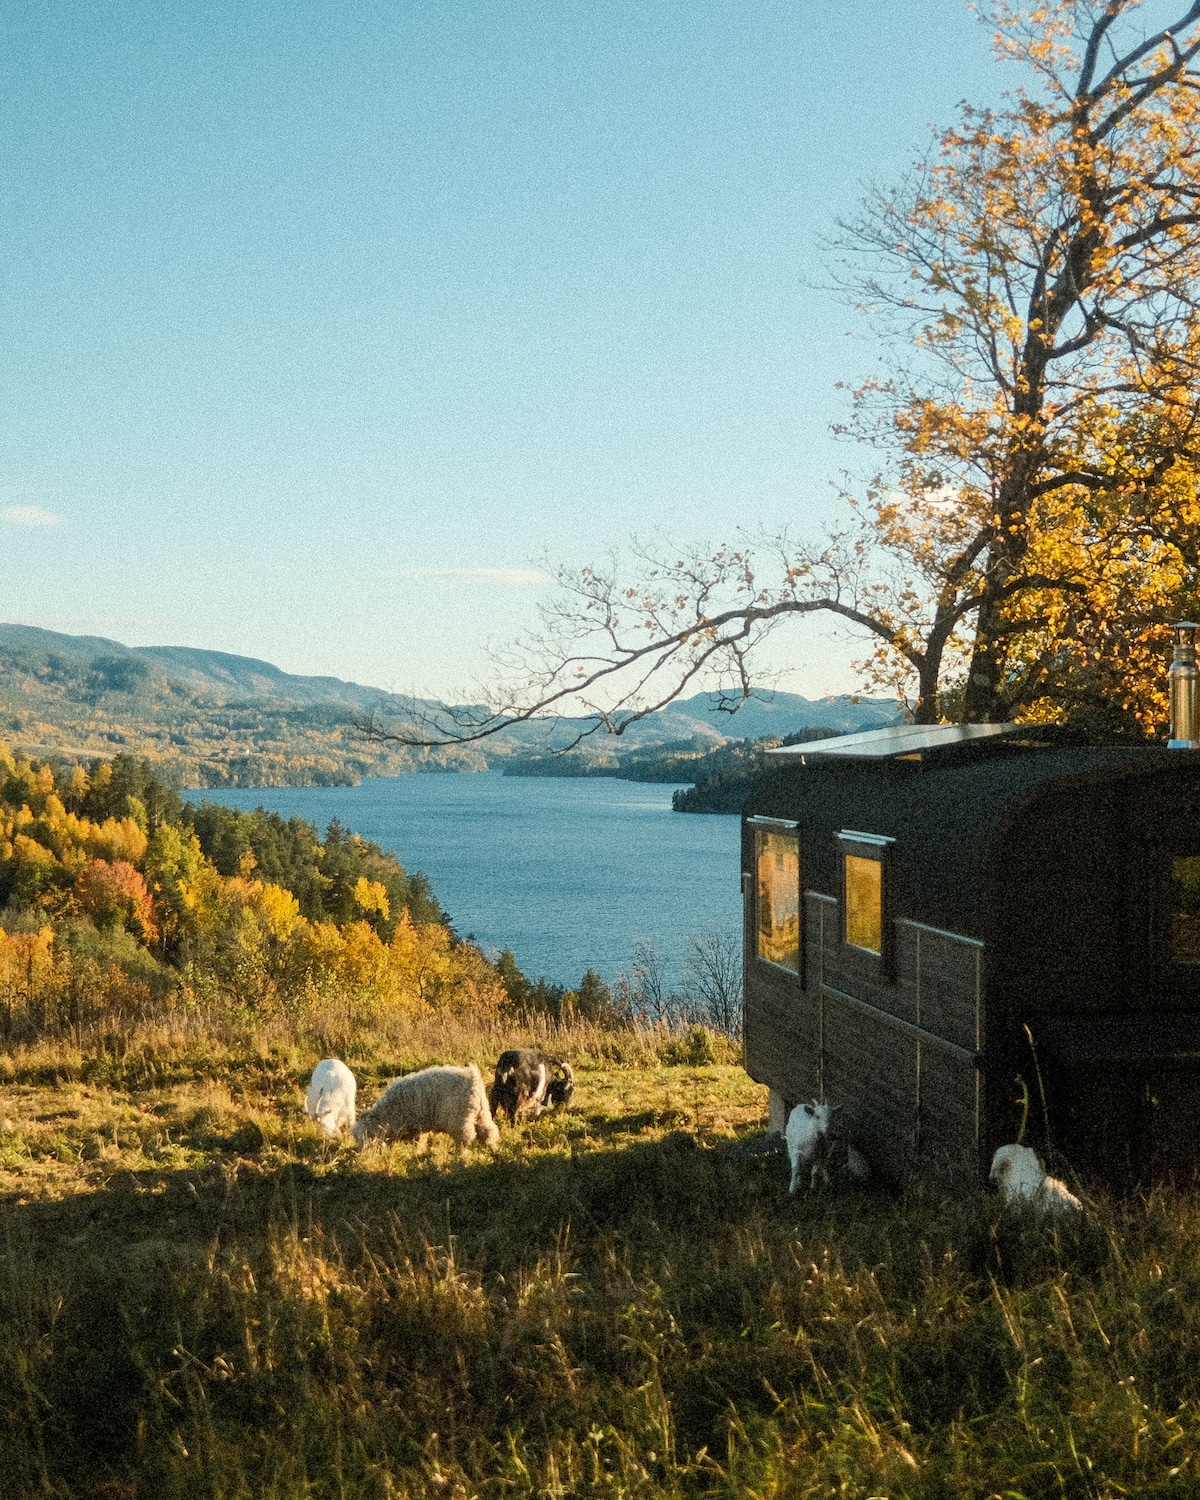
313 1328
115 1303
503 1205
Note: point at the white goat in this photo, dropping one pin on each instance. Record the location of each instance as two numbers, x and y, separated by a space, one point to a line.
331 1097
1023 1182
446 1099
806 1125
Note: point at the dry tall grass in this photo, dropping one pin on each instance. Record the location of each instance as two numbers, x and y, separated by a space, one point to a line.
200 1297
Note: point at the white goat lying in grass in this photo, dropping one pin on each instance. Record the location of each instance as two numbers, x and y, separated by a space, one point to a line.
1023 1182
331 1096
816 1150
446 1099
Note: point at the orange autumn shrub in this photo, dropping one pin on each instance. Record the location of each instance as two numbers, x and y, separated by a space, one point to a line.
116 895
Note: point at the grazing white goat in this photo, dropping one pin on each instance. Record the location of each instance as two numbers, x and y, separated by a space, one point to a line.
446 1099
1022 1181
806 1125
331 1096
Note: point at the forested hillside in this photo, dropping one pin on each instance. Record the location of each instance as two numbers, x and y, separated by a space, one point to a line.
115 892
209 719
203 718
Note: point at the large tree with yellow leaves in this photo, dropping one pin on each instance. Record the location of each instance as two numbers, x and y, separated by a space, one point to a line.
1036 520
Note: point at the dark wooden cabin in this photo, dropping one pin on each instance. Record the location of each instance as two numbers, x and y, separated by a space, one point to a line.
938 919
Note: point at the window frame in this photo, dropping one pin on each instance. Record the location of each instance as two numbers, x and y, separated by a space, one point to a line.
878 848
791 829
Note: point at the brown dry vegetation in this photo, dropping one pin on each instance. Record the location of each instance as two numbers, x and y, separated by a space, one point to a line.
199 1296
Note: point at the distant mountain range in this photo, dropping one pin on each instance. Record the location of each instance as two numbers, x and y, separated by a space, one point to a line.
773 714
95 663
208 718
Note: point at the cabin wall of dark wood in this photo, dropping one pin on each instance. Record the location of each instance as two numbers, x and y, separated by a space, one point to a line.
1161 821
1058 895
871 1078
865 1043
1080 953
936 983
1060 865
819 914
951 1115
781 1033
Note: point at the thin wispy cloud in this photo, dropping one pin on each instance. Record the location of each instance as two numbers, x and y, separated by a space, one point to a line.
30 517
505 576
100 624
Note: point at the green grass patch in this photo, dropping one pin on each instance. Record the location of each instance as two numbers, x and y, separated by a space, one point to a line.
200 1296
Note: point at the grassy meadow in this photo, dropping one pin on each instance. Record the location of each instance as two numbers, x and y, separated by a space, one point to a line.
200 1296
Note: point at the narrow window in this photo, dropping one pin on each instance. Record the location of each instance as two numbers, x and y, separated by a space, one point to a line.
866 896
778 860
1185 909
864 903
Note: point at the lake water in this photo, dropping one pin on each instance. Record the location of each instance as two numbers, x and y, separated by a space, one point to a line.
567 872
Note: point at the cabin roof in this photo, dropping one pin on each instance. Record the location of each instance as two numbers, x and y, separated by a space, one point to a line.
946 808
896 739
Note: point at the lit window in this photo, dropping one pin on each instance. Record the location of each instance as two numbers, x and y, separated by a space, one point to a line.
778 857
864 903
1185 909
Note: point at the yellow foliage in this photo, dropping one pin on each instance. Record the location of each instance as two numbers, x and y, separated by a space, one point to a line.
421 968
370 895
27 851
26 958
189 894
278 910
249 934
275 911
1039 522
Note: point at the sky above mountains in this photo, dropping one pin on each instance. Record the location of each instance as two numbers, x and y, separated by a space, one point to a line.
325 328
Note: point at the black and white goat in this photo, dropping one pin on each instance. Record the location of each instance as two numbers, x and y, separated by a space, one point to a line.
528 1082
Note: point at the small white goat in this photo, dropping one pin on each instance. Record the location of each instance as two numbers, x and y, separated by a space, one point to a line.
1022 1181
331 1097
806 1125
447 1099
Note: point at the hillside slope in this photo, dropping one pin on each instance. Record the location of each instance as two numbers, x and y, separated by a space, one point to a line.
209 718
204 718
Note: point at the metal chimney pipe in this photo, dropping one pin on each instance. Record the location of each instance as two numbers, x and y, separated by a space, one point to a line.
1184 680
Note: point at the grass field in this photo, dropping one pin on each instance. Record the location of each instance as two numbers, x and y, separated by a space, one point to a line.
201 1297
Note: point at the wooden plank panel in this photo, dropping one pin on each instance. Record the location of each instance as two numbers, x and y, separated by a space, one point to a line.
908 973
820 912
948 1112
859 976
949 986
782 1035
831 938
871 1077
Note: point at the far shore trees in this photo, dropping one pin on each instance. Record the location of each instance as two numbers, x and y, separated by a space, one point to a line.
1035 520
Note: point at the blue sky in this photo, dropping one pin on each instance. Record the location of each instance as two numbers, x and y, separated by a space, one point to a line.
324 325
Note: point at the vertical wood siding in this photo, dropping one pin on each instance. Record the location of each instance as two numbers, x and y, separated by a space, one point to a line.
847 1035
